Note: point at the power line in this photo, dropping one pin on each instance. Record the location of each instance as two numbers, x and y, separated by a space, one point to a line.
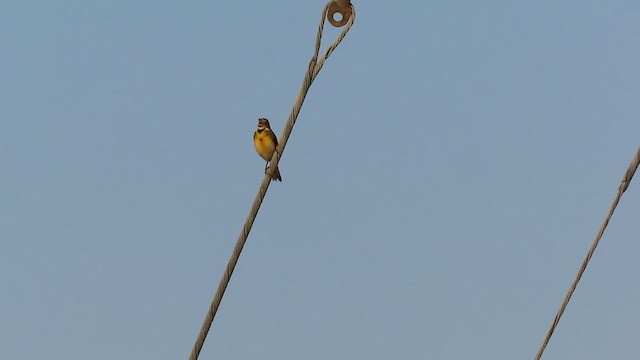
624 185
347 11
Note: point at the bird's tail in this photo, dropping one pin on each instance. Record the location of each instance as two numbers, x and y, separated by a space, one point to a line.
276 175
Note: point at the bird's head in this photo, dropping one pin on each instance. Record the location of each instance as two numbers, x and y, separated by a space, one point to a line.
263 124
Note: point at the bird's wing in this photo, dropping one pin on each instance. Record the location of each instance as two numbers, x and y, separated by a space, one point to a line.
273 137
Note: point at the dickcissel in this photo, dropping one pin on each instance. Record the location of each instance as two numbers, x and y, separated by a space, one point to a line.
266 142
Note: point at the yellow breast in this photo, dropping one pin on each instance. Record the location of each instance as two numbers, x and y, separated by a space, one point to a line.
265 146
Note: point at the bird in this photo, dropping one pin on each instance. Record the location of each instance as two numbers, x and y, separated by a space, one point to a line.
266 143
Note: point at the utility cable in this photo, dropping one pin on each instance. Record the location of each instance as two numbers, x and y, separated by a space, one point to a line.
624 185
347 11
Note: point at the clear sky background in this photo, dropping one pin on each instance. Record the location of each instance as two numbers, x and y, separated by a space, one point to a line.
450 167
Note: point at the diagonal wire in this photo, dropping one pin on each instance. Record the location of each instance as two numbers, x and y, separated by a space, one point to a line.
624 185
312 71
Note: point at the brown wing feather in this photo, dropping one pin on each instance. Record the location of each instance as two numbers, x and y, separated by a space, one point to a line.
273 137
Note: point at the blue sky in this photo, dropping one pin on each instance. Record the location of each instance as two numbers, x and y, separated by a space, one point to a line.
446 176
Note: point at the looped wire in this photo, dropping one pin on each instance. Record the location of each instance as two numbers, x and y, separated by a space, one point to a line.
314 68
315 65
